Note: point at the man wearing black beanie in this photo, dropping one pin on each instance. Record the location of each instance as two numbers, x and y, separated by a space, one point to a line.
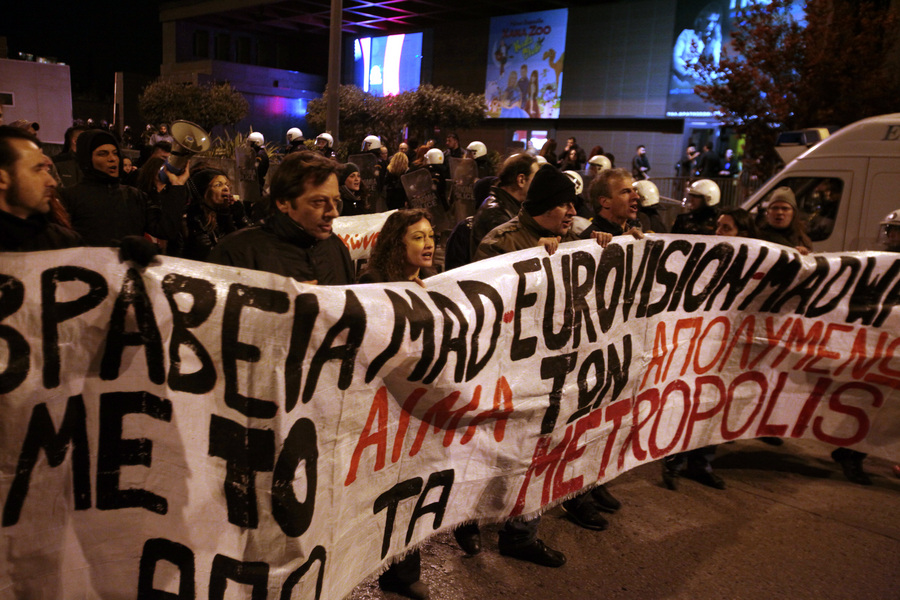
103 211
545 218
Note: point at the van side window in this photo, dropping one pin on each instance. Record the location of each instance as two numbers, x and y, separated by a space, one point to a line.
818 199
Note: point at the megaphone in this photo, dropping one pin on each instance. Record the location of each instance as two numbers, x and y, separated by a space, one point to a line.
190 139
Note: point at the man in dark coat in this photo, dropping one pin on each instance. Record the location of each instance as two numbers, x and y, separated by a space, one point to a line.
296 240
708 165
27 193
506 197
103 211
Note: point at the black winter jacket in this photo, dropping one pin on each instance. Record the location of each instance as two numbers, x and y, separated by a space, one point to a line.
103 211
34 233
498 208
280 246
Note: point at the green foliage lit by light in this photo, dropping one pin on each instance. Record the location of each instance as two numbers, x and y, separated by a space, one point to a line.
421 110
210 105
842 65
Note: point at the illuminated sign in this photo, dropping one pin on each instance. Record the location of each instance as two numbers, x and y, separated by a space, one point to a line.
389 65
525 65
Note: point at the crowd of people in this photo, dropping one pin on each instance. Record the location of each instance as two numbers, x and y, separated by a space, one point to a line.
93 196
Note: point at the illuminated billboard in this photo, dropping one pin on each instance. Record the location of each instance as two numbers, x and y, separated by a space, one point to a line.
525 65
702 29
388 65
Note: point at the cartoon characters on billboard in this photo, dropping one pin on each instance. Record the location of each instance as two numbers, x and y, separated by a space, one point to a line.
525 65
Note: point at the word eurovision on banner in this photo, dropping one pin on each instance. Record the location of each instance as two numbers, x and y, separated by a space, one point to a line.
193 429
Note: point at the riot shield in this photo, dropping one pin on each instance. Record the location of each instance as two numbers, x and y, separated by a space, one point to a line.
247 181
463 173
420 194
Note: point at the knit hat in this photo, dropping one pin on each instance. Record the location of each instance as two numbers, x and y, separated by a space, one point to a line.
549 188
784 194
347 170
201 179
89 141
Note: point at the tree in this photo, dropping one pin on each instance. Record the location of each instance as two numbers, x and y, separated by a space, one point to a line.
165 101
358 115
421 110
429 107
781 74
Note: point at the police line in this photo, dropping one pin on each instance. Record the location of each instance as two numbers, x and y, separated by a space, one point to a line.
192 427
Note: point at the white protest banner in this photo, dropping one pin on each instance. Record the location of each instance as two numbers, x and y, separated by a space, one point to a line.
193 430
359 233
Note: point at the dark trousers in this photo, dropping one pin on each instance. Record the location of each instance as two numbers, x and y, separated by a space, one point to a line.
405 571
517 532
698 459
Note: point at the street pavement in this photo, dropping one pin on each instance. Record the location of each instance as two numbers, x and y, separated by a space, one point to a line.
789 525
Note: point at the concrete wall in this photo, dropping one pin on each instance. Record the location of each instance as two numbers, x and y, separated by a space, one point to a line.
42 94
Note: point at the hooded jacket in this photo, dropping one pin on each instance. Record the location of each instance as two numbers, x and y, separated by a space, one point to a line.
103 211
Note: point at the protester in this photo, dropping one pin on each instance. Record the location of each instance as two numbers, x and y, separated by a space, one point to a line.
162 135
148 180
211 214
453 148
353 195
296 240
548 152
783 223
404 251
505 198
736 222
615 203
103 211
545 219
67 161
27 194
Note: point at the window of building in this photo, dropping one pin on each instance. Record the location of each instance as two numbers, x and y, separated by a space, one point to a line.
223 46
201 43
244 50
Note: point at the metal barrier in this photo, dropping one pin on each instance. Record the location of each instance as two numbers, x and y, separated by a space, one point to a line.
733 191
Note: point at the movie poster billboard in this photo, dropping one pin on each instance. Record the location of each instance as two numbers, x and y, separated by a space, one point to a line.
525 65
703 30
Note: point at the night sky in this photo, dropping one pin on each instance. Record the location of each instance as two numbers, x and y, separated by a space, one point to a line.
94 38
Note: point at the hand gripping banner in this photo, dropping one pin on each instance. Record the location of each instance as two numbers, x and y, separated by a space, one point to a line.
192 429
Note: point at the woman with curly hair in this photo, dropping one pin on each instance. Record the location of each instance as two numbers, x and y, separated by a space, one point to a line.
404 251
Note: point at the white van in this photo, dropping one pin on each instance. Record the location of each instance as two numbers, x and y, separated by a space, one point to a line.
845 185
